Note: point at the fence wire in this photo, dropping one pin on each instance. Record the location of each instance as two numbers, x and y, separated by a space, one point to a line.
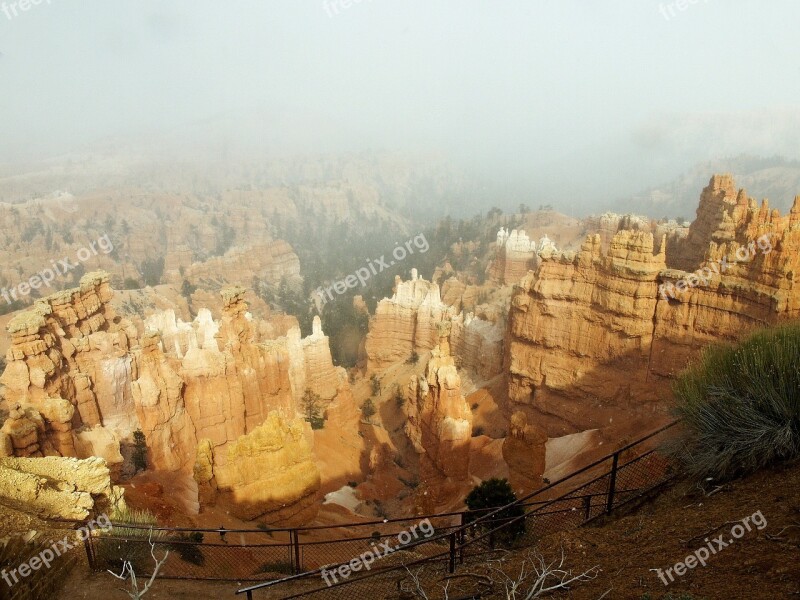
286 562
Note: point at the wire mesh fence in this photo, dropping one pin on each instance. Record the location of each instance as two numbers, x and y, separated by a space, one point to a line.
597 489
286 561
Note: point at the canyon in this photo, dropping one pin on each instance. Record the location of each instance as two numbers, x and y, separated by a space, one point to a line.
561 351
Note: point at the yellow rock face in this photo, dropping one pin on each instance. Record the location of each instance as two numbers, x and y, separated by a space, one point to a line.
270 473
58 488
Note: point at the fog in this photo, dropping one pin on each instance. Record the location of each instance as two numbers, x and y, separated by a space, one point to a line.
576 102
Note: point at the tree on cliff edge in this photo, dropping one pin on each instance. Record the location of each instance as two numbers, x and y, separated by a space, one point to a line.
139 451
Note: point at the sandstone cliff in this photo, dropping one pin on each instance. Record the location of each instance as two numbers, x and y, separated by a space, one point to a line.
407 322
590 337
515 255
524 451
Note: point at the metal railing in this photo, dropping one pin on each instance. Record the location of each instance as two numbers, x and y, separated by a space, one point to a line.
283 556
597 489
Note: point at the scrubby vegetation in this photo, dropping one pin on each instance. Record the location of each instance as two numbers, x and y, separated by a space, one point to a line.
368 409
741 405
495 493
188 547
128 544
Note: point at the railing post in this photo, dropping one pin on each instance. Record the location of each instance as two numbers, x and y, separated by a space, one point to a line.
452 566
587 507
89 552
462 538
295 536
612 483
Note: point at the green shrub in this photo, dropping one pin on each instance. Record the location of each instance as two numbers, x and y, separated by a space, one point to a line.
311 407
368 408
741 405
494 493
399 399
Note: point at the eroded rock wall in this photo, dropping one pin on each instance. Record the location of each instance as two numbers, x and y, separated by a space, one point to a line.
590 336
58 488
407 323
81 380
404 323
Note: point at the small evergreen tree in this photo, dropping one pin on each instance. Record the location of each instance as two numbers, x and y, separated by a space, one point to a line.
376 384
495 493
311 406
187 289
139 451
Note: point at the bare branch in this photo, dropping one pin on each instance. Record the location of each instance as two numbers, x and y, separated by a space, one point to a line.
128 572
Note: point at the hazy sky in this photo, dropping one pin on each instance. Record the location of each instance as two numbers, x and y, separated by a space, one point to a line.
523 88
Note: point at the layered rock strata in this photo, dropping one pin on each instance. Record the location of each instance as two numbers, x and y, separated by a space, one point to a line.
81 380
591 338
406 323
515 255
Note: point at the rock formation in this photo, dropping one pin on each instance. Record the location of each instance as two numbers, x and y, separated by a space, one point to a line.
524 451
58 488
406 323
271 470
81 380
591 338
515 255
439 421
477 343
